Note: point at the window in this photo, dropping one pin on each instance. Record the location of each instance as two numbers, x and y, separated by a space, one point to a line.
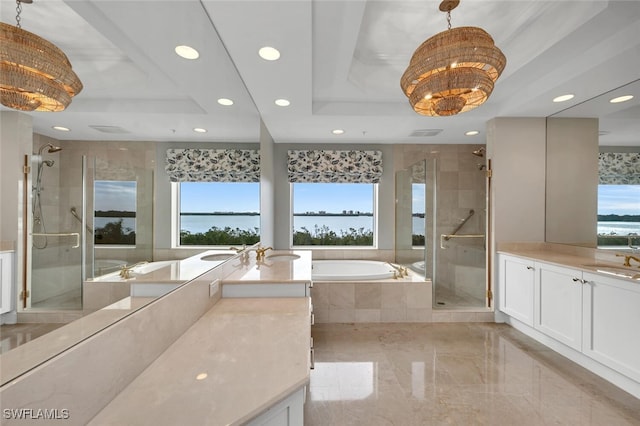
218 213
333 214
418 207
618 215
114 218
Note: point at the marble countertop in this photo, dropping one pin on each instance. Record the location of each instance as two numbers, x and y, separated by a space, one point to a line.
171 271
594 261
240 358
276 267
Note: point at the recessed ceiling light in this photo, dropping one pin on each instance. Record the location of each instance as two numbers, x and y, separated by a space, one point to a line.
563 98
337 131
61 128
202 376
282 102
225 101
199 130
269 53
187 52
472 133
619 99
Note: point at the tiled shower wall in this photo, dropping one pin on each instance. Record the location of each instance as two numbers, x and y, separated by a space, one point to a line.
461 187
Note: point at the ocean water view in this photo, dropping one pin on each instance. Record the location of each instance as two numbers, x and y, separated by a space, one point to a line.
202 223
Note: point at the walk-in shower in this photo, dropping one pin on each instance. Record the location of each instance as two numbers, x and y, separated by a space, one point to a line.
39 229
441 224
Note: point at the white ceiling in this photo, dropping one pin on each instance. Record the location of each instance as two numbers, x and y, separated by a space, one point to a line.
340 67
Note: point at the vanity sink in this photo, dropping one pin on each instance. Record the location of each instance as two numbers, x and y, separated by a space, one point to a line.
620 271
218 256
282 257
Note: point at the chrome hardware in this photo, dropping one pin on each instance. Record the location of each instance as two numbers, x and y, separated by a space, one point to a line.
580 280
531 268
312 359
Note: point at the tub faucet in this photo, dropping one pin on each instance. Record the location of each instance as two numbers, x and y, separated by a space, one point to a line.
125 272
401 270
628 258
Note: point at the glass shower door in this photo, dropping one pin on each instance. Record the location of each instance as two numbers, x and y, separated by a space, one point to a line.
459 230
56 237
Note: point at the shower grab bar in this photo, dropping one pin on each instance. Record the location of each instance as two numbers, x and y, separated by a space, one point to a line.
445 237
74 213
455 231
69 234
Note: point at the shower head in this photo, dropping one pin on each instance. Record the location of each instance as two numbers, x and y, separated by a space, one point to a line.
479 152
49 163
51 149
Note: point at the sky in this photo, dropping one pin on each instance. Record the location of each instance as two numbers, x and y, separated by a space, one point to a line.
619 199
115 195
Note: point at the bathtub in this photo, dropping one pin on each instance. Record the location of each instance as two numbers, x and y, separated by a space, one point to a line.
351 270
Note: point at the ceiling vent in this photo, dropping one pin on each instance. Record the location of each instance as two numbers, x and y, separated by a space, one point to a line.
422 133
110 129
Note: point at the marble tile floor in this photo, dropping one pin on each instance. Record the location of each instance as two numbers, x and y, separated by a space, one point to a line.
14 335
453 374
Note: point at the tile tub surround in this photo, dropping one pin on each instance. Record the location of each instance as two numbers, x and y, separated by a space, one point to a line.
255 352
405 299
453 374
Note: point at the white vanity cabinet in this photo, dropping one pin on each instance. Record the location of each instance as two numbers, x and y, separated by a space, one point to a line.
558 303
295 289
591 318
516 285
6 281
611 323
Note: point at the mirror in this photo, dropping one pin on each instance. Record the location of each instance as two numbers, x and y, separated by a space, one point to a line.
139 99
593 185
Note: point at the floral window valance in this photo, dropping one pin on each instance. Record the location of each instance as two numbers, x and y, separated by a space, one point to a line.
321 166
619 168
213 165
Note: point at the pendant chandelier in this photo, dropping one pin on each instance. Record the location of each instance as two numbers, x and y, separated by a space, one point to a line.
34 74
454 71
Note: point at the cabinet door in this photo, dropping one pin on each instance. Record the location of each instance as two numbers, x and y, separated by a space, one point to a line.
558 303
516 288
611 317
265 290
6 281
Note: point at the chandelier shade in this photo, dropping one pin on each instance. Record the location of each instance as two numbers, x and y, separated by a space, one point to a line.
34 74
452 72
